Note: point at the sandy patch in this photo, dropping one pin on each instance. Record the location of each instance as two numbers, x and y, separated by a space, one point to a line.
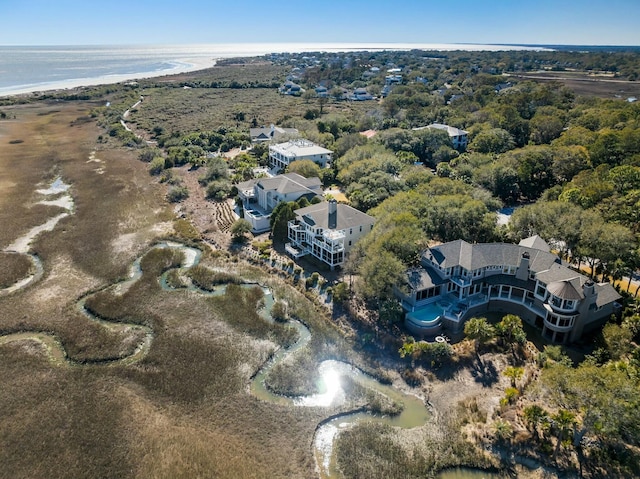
129 243
58 186
63 283
23 244
65 202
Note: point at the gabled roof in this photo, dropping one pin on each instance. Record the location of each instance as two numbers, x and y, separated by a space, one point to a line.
347 217
284 184
270 132
472 257
423 278
567 289
452 131
535 242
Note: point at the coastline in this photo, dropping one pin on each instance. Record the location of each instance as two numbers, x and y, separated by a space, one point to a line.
181 66
189 58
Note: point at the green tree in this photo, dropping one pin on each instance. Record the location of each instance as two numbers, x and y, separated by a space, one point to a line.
536 418
306 168
563 423
239 229
617 340
494 140
379 273
480 331
279 221
511 331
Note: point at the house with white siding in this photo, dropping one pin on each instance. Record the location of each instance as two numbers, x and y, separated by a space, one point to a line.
327 231
260 196
282 154
459 138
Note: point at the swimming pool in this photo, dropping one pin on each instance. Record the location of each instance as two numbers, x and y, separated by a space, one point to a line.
426 320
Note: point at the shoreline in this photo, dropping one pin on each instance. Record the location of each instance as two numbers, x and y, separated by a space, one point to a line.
181 66
190 58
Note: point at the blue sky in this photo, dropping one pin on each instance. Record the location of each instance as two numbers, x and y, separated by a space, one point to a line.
68 22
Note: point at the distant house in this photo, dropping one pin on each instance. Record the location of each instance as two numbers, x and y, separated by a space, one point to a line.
458 137
457 280
327 231
260 196
282 154
502 86
360 94
270 133
322 92
393 79
290 88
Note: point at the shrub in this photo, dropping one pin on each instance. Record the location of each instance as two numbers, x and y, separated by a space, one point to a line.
279 311
177 194
219 189
156 166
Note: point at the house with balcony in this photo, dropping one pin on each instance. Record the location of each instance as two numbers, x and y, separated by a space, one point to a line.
327 231
282 154
260 196
458 280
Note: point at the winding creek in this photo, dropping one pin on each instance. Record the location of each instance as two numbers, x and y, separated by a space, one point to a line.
331 392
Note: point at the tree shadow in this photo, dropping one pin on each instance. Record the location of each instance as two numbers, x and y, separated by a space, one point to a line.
484 373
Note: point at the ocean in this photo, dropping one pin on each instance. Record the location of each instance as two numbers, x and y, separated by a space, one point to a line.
26 69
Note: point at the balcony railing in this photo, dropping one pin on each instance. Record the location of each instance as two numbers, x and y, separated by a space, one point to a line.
461 281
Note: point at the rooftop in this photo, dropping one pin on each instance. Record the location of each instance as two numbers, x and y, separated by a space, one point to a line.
318 215
299 147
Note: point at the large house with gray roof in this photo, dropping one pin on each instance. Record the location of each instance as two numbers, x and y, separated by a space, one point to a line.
260 196
327 231
458 280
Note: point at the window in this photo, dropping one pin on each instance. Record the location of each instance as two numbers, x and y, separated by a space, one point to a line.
360 228
541 289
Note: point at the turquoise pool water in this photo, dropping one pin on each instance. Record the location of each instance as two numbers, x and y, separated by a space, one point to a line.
427 316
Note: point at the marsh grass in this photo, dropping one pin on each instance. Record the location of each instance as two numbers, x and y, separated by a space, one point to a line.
374 451
58 423
13 268
175 280
183 410
239 307
207 279
375 402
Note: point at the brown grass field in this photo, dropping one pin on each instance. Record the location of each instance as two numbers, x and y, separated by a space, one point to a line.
588 85
182 411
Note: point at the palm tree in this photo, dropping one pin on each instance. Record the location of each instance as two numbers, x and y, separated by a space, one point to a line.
503 429
534 417
481 332
514 373
564 422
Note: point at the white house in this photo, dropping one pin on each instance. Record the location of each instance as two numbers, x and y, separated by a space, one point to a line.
458 280
260 196
282 154
327 231
458 137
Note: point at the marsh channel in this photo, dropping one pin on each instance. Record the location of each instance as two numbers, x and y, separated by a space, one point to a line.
332 373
